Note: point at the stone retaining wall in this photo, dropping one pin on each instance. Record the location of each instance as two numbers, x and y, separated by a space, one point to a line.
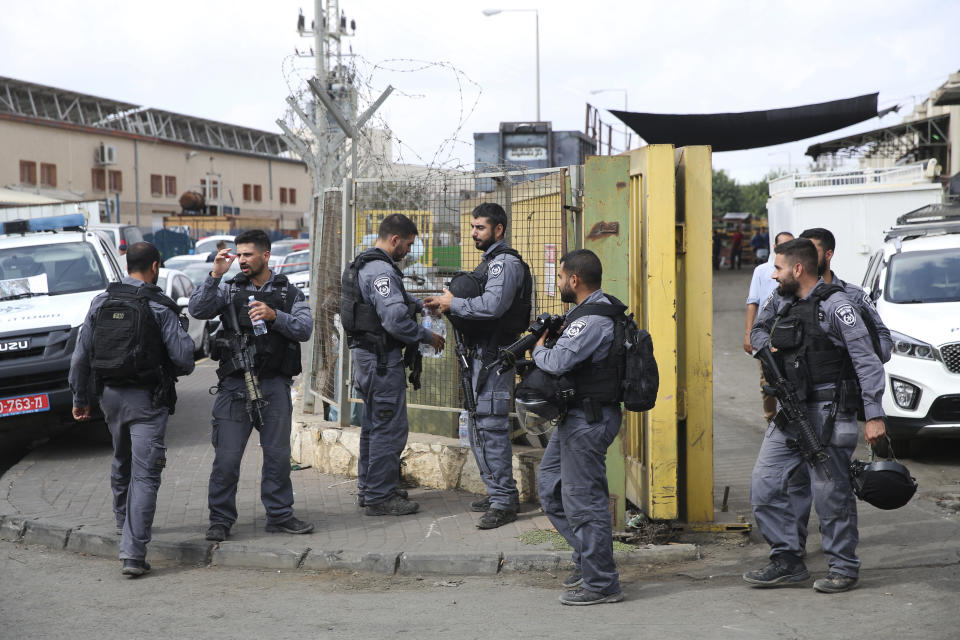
427 460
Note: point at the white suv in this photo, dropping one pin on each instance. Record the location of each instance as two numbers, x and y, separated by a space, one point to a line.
50 270
915 281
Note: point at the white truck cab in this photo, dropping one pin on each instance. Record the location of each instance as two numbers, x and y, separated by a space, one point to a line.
50 270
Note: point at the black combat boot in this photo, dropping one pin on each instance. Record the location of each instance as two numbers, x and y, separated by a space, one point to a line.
835 583
779 573
495 517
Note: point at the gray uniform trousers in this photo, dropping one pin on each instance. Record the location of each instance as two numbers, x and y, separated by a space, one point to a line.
777 492
490 441
384 428
231 430
139 455
572 483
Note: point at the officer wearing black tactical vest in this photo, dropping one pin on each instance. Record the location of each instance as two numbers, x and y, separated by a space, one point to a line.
379 317
492 316
132 346
289 322
572 480
823 348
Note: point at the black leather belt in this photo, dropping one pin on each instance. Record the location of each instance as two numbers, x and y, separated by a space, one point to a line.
822 395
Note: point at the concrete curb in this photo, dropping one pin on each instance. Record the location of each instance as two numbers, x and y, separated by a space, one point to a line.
104 544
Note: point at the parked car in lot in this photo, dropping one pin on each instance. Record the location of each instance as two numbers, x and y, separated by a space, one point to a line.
296 266
915 281
282 248
178 287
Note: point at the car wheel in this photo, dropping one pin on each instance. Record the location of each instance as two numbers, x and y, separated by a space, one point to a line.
205 344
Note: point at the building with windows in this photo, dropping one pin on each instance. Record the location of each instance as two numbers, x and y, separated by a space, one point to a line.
59 145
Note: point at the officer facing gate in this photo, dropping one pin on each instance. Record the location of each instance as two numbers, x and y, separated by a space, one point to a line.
499 313
134 345
824 349
379 317
572 481
289 322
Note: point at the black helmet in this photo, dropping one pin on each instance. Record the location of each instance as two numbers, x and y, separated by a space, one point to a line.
886 484
541 401
467 285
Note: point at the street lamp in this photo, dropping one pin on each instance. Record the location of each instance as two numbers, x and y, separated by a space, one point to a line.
536 14
626 129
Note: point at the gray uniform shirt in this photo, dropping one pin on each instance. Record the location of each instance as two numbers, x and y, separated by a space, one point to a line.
178 342
382 287
212 296
586 337
504 280
842 323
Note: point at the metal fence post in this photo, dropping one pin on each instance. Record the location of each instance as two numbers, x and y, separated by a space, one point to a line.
346 257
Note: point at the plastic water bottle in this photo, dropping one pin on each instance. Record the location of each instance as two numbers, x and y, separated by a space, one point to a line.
464 429
435 325
259 326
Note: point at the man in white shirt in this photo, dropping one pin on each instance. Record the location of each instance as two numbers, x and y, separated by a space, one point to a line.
762 287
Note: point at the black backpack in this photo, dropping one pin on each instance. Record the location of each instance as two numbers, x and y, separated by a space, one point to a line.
641 377
128 348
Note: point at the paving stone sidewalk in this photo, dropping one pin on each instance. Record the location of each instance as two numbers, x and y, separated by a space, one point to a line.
59 495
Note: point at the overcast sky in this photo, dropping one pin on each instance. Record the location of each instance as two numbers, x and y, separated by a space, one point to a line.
232 61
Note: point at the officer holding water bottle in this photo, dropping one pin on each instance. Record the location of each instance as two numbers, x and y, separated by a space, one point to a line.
379 317
276 313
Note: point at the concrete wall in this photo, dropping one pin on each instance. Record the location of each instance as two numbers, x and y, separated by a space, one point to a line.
73 153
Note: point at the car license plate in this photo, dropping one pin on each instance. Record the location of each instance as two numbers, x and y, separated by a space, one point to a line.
24 404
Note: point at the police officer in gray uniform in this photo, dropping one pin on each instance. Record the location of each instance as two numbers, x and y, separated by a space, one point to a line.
572 481
284 309
136 364
504 308
379 318
821 344
823 240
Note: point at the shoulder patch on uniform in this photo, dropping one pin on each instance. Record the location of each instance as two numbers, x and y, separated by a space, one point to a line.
496 269
575 328
846 315
382 285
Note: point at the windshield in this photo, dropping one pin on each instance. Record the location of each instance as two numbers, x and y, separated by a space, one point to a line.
924 276
198 271
296 262
68 267
209 246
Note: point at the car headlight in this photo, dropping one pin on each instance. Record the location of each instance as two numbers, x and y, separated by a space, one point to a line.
904 345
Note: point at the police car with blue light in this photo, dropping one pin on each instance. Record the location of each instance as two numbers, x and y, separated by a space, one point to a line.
50 270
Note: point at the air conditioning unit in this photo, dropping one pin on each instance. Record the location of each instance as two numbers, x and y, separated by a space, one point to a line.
106 154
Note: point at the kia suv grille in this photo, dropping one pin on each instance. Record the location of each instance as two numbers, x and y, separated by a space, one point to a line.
951 356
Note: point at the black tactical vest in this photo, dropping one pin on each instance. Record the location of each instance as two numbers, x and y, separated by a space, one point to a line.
515 321
804 352
601 382
277 355
359 318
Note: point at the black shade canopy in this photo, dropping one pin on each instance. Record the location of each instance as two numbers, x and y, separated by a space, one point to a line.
750 129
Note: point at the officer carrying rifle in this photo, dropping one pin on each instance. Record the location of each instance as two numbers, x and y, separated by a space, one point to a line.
489 308
821 345
272 318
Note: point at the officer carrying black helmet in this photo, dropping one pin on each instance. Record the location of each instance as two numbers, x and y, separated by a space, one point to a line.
572 481
822 345
379 317
134 346
284 309
502 305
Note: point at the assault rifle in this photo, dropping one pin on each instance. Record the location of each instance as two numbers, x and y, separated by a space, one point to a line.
512 355
241 356
466 380
792 410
